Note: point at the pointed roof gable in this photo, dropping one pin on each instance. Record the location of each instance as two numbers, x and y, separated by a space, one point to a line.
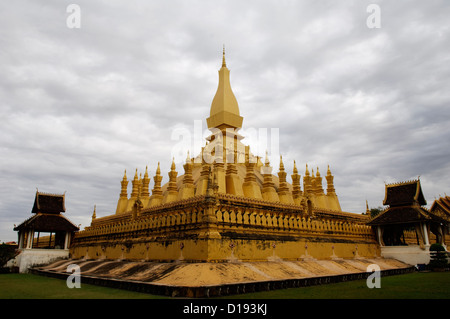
405 202
441 208
48 203
405 193
47 209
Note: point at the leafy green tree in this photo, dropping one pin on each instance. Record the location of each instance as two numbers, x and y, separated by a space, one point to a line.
375 211
7 252
438 256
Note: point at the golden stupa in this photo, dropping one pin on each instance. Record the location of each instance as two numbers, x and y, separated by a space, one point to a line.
227 205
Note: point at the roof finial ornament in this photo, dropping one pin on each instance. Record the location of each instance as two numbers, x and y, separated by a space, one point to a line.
267 162
188 157
224 64
158 170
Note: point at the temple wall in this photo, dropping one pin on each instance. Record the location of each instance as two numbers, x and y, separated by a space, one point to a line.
225 249
249 230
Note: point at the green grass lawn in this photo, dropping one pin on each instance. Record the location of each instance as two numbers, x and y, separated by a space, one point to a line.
27 286
424 285
430 285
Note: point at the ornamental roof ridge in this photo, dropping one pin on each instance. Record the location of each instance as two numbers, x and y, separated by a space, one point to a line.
412 181
50 194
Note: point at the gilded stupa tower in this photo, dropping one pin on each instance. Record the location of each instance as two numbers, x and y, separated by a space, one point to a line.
236 170
224 108
226 198
225 120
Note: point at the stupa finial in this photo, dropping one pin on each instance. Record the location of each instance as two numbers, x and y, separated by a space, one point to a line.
158 170
224 64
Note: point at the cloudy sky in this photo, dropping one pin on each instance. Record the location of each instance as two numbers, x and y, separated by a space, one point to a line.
78 106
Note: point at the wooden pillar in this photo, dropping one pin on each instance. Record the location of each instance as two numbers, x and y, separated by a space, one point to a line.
30 238
67 240
425 235
443 235
380 235
21 238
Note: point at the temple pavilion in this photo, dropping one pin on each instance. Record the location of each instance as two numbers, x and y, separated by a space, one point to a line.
47 234
405 227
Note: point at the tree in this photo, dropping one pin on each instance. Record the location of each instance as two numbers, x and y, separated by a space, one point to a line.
7 252
438 257
375 211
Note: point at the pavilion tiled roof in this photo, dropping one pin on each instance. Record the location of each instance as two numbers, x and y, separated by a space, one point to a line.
405 193
401 215
48 203
405 202
47 223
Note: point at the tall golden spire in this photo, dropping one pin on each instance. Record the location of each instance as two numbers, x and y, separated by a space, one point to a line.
283 190
157 180
282 177
268 190
172 177
307 181
296 190
224 107
145 182
319 188
124 184
330 185
123 198
157 194
224 64
94 215
188 188
171 193
135 183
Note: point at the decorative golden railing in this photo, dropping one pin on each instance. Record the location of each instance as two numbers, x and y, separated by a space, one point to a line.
236 215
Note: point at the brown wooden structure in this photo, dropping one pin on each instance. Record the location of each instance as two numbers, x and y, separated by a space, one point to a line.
406 212
46 218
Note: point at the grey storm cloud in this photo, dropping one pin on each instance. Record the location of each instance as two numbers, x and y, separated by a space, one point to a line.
79 106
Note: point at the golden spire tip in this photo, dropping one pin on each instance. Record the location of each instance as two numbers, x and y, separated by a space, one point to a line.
224 64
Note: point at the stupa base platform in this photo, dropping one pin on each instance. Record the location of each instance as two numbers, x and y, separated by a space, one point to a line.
202 280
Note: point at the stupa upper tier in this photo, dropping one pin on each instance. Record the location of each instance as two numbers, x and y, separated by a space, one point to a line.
224 108
231 166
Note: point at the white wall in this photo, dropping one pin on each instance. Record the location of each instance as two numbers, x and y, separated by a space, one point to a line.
35 257
411 254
